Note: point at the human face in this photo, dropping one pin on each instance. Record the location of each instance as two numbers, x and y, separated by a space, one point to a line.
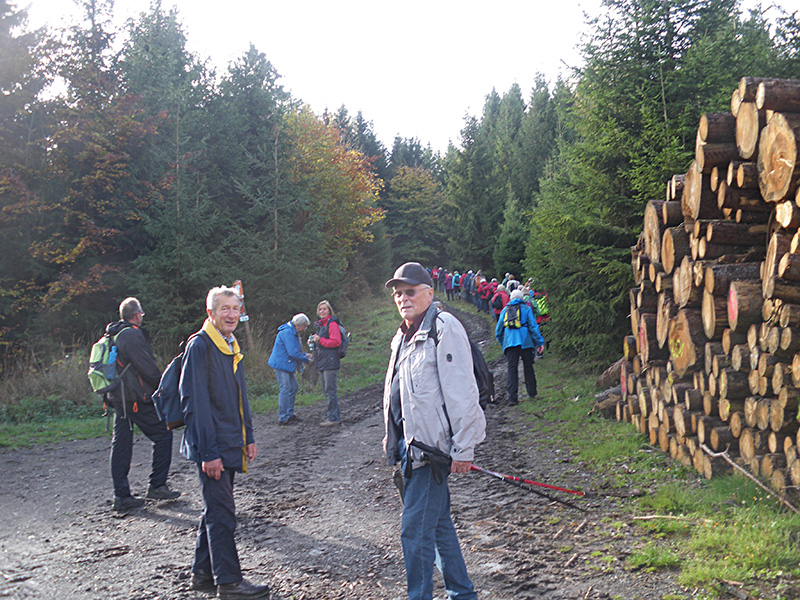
300 328
323 311
412 300
225 316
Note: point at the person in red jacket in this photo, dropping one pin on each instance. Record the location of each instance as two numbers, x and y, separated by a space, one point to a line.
499 301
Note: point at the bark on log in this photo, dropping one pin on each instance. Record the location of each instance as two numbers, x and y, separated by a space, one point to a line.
744 305
686 340
736 234
752 443
671 213
731 338
733 384
665 310
653 229
790 342
610 377
789 315
699 201
782 95
747 175
740 358
718 277
787 214
777 157
717 127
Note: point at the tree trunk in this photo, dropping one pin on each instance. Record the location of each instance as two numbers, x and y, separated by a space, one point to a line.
749 122
717 127
674 247
715 315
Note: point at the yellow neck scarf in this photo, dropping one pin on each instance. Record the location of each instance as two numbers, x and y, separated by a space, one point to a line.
222 345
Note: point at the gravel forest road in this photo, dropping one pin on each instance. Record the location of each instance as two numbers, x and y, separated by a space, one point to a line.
318 517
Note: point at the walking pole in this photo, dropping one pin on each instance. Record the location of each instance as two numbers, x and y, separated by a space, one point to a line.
528 481
516 481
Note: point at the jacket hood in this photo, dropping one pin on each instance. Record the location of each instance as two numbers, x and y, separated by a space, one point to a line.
288 325
115 327
516 301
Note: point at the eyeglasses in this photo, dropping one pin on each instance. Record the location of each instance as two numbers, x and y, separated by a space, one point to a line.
411 292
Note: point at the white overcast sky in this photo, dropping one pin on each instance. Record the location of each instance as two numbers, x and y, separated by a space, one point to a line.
414 68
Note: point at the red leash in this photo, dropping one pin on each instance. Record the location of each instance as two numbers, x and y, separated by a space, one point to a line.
528 481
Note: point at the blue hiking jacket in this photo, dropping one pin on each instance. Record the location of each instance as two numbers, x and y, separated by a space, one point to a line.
287 352
527 336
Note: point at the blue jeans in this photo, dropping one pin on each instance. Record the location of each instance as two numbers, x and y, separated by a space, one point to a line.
429 537
287 385
329 383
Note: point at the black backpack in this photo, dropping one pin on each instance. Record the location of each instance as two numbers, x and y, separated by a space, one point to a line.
480 369
167 398
497 302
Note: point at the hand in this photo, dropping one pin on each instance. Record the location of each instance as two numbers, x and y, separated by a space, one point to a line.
213 468
540 350
461 466
315 337
251 452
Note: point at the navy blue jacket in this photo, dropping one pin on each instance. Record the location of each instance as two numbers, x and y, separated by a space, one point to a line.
287 353
210 403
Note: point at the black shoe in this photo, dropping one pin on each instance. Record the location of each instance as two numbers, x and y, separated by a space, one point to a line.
244 590
293 420
202 582
514 403
162 492
126 503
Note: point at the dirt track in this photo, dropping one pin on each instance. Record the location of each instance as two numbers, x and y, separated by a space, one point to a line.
318 518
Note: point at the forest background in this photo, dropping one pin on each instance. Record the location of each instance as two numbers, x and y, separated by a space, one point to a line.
129 166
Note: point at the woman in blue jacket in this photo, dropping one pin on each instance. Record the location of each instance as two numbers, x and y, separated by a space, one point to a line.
287 354
518 338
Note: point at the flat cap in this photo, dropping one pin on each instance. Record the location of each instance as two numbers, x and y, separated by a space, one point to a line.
411 273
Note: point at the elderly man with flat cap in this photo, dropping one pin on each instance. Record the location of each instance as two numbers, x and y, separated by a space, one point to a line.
433 423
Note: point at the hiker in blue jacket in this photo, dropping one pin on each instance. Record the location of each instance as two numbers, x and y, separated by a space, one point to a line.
287 354
518 338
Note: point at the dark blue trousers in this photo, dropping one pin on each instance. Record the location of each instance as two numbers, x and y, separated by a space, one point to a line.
146 418
215 551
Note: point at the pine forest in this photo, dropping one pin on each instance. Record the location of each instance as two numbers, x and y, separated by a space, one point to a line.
129 166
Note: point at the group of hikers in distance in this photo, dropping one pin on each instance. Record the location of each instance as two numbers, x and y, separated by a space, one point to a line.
432 417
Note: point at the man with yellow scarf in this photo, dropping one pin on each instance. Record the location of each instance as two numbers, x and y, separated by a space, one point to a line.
219 439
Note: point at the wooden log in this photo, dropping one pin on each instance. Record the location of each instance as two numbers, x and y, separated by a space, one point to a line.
780 376
671 213
721 438
629 347
693 400
789 315
785 290
685 340
710 155
720 362
789 267
663 283
737 423
750 406
744 304
777 157
747 175
779 481
715 316
653 229
727 407
733 384
730 233
717 127
699 201
685 293
794 473
714 466
772 340
779 244
782 95
675 186
740 358
736 102
752 443
610 377
753 344
787 214
718 277
674 247
704 427
762 413
711 400
790 342
736 198
770 462
744 215
731 338
749 122
665 311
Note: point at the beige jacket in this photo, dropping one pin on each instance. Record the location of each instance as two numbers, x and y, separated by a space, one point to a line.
438 391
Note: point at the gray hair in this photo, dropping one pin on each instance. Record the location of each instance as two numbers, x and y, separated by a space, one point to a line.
129 308
300 319
214 293
516 295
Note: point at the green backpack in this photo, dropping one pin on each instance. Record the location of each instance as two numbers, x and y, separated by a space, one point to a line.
513 317
103 363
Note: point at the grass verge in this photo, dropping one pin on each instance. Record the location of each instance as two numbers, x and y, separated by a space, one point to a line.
723 529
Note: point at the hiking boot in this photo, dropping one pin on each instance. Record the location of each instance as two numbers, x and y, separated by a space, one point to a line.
290 421
126 503
327 423
162 492
202 582
244 590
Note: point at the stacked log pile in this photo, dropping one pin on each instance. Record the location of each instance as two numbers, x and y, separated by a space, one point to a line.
714 353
